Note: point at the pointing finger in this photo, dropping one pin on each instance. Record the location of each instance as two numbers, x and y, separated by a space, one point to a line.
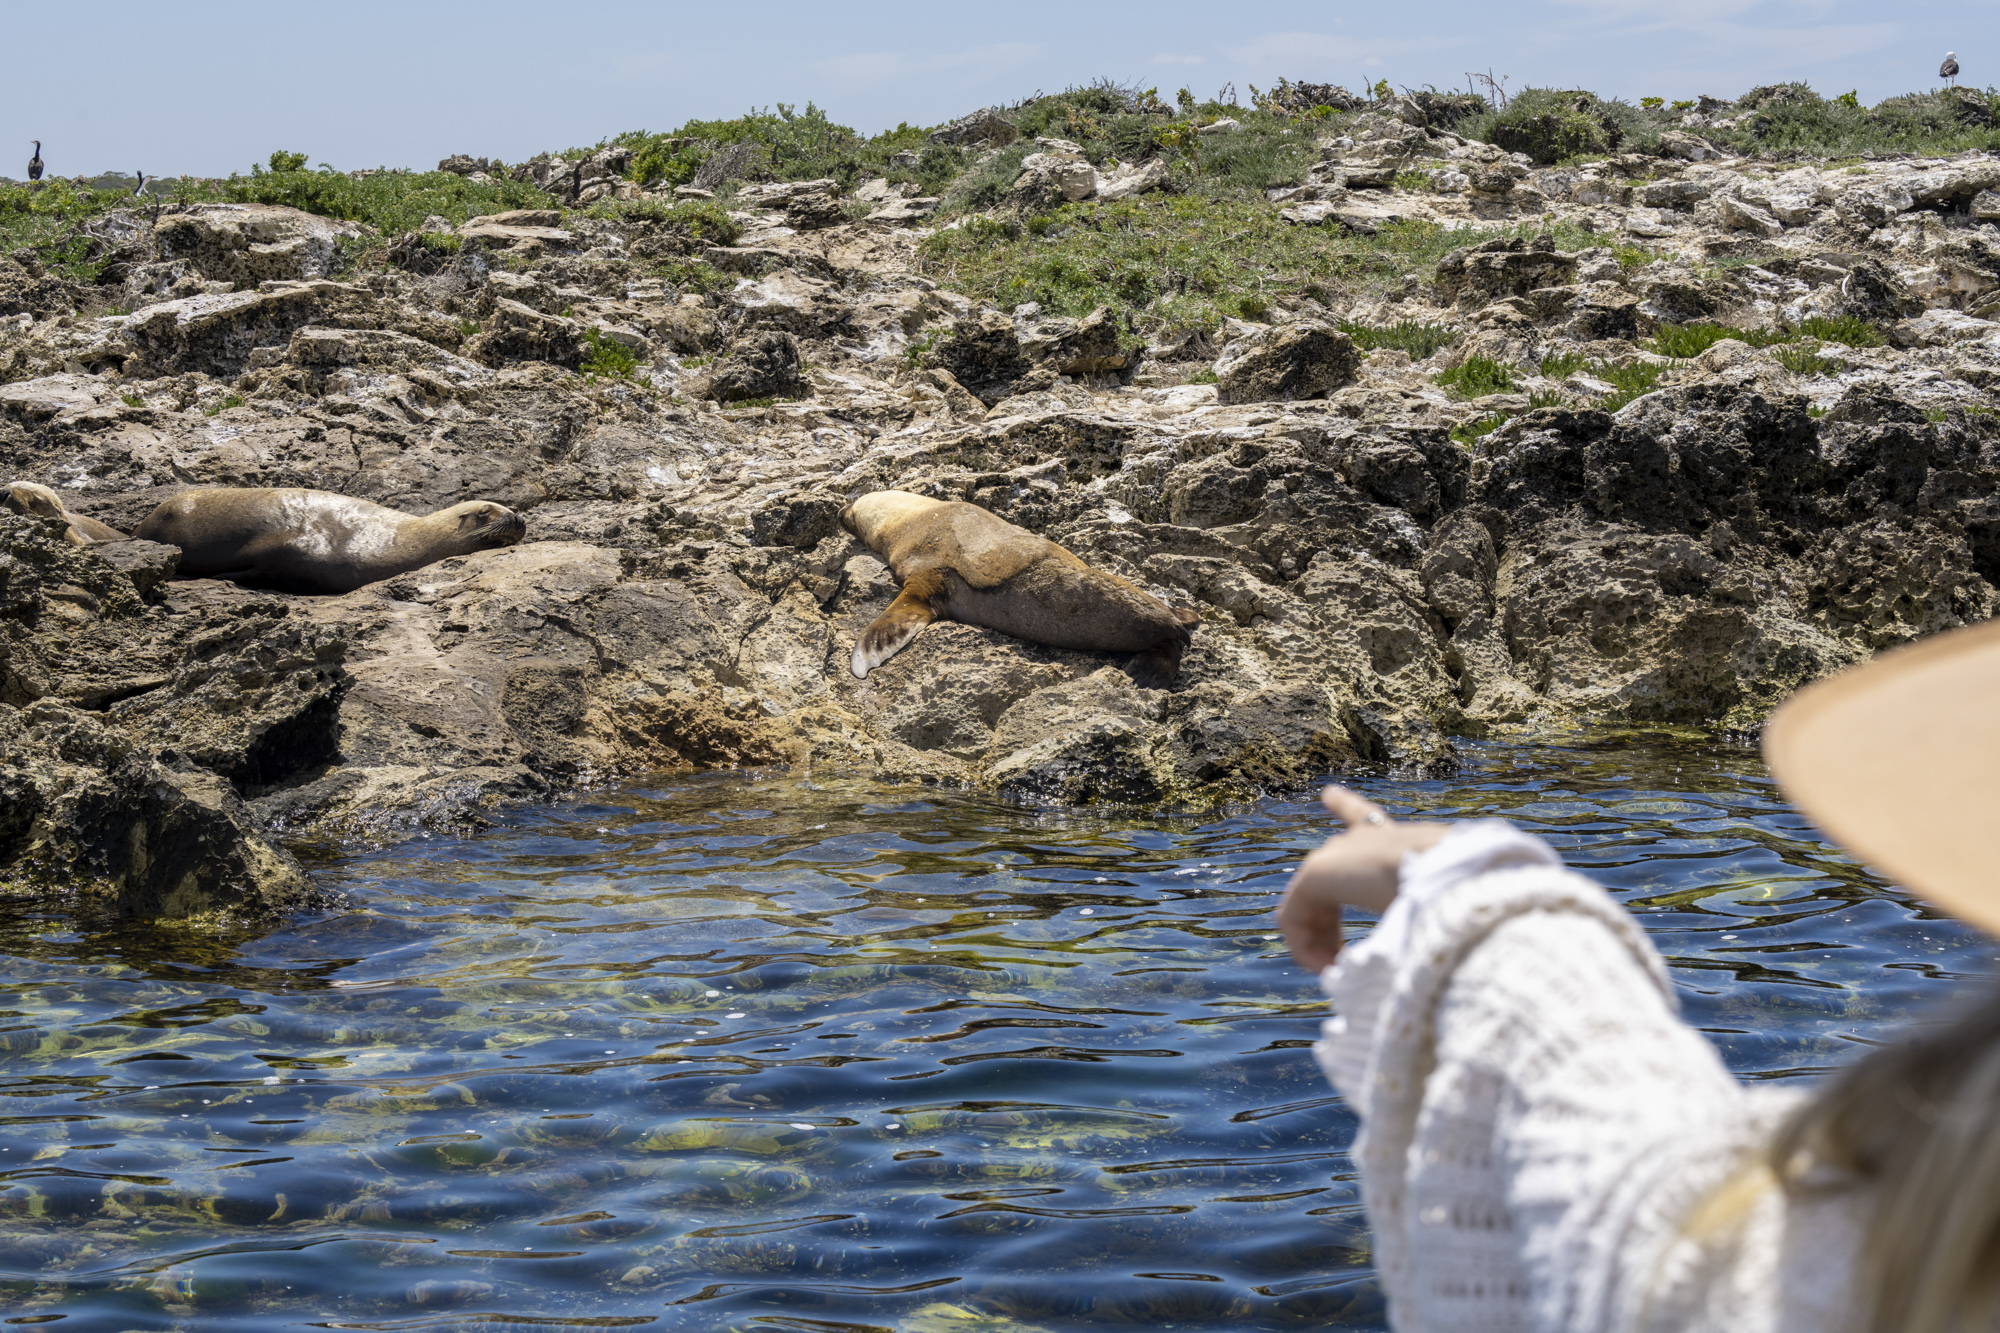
1355 809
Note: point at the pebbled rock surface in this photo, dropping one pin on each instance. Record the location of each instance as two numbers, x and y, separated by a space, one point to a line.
1369 587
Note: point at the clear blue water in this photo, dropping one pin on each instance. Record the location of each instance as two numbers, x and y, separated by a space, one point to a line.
759 1053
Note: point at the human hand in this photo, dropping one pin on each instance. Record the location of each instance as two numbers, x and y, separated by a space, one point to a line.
1358 868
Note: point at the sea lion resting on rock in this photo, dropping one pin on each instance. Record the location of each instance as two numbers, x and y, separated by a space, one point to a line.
956 559
27 497
315 541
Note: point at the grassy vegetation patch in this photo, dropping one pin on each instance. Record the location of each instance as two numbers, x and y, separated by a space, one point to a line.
1788 119
789 144
1405 335
390 201
1971 411
1475 377
1174 263
1633 380
1627 382
1690 340
1845 329
1806 361
1471 431
701 222
49 223
1557 124
607 358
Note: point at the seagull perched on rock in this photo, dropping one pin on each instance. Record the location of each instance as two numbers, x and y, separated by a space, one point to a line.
35 163
1948 71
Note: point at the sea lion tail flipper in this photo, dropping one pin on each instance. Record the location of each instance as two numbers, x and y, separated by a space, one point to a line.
1158 666
905 618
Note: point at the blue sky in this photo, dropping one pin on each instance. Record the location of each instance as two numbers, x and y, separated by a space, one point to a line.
210 88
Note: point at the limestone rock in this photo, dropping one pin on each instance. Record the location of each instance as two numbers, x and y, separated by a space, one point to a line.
1687 147
813 210
1093 741
1087 346
1132 178
985 126
1744 216
1049 179
513 332
253 243
1291 361
983 353
1873 203
760 365
1483 273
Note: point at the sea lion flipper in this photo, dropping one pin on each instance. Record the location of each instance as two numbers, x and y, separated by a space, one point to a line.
904 619
1157 667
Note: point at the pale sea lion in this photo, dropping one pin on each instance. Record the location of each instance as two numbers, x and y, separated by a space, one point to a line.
27 497
956 559
315 541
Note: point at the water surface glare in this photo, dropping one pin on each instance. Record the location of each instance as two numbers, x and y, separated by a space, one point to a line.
760 1053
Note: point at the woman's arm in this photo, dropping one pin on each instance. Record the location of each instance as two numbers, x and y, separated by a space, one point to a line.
1536 1118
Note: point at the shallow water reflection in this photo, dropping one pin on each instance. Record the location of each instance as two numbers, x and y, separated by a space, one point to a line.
762 1053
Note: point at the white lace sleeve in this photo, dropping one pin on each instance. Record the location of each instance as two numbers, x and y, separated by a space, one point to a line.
1536 1120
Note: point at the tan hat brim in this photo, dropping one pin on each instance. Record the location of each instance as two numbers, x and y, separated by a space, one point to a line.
1899 760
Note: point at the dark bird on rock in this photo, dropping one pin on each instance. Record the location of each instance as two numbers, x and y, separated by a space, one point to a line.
35 163
1948 71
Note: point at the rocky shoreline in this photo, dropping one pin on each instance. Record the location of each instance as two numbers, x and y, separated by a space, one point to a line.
1381 561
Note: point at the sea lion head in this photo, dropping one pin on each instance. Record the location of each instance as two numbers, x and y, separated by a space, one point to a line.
870 515
481 525
32 499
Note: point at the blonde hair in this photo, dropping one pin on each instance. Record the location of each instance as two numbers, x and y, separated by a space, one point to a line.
1918 1124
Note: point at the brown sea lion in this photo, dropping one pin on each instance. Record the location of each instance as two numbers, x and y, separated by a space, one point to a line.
956 559
28 497
315 541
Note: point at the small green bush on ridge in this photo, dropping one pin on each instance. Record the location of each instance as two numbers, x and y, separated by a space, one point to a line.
1475 377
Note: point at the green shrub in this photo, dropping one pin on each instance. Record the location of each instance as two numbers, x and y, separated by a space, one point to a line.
1561 365
1842 329
1687 340
1266 153
1553 124
1792 118
986 184
1805 361
793 144
48 223
702 222
1203 377
608 358
1406 335
1474 430
1183 261
132 400
1475 377
1630 381
392 202
284 161
1550 124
